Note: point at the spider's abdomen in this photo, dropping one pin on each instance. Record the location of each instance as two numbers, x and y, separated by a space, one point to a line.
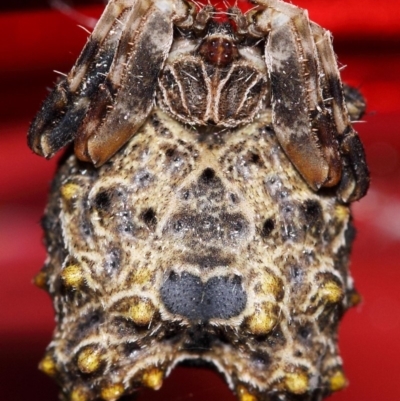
192 246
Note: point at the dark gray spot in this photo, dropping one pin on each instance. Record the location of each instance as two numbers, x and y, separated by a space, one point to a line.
296 275
131 349
312 211
290 230
207 176
149 217
305 333
219 297
102 200
86 227
142 178
267 228
261 358
275 188
112 260
234 198
274 339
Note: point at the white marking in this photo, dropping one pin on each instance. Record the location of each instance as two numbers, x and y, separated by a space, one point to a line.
191 76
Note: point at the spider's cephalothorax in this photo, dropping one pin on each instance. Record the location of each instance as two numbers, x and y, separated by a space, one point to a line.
205 213
213 80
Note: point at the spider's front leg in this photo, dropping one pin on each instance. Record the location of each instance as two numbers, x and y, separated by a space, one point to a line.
309 113
355 177
110 91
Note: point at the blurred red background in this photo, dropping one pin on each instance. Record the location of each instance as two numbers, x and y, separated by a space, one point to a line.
35 40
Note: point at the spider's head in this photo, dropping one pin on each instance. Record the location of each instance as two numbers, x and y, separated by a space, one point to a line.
219 45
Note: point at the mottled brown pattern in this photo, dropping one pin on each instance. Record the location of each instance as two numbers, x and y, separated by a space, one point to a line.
175 205
206 234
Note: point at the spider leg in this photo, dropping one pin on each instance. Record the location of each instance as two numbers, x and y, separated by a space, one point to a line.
236 15
63 111
203 17
127 95
111 89
355 102
354 182
301 121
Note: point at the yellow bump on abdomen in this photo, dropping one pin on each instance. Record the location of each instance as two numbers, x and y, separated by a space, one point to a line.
153 378
48 365
69 191
296 383
40 280
342 212
141 311
90 359
331 291
244 395
337 381
263 320
72 276
112 392
79 394
355 298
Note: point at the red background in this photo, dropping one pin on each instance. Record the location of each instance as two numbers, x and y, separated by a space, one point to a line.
35 41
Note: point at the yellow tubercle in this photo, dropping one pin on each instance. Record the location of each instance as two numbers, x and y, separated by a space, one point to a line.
112 392
48 365
90 359
72 276
153 378
69 191
297 382
79 394
331 292
141 312
337 381
40 280
355 298
244 394
342 212
263 320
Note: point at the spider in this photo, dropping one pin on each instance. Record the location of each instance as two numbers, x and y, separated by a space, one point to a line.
203 214
132 53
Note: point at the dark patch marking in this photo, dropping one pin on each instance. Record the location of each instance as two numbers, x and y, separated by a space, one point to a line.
207 176
261 358
313 216
219 297
143 178
131 348
112 260
150 218
267 228
102 200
